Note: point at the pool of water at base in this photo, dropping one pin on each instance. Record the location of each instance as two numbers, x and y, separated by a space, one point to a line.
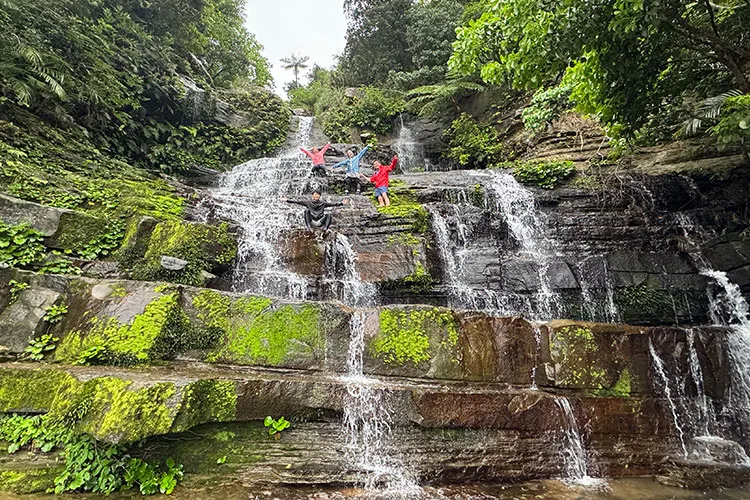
614 489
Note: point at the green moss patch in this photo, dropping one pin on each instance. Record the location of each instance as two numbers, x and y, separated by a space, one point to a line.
253 332
30 390
28 480
154 334
206 401
205 247
414 336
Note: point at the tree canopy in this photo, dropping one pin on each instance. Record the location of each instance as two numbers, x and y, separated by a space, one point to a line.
623 58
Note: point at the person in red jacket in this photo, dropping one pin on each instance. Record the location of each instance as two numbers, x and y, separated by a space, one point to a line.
380 179
319 163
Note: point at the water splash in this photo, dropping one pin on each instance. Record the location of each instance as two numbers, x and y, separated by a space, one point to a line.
249 195
368 422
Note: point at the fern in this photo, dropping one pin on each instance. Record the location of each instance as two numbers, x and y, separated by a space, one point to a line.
430 100
709 109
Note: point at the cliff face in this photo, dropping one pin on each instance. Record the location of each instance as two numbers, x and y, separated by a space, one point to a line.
476 330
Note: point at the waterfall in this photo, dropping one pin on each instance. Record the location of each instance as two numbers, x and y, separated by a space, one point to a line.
249 195
409 149
341 264
368 423
658 365
527 226
574 454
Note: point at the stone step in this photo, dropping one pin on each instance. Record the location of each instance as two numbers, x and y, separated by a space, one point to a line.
120 322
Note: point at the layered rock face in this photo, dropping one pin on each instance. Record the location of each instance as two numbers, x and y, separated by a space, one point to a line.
475 331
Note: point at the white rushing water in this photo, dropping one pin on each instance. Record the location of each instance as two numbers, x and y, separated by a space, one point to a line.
368 423
341 260
573 451
658 365
249 195
410 151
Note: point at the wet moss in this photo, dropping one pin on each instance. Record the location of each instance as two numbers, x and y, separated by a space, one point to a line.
573 349
414 335
205 247
30 390
154 334
111 410
29 480
206 401
255 333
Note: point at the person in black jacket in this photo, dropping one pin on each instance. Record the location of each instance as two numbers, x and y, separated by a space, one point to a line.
315 215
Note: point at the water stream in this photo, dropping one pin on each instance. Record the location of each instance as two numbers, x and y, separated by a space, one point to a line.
410 151
368 423
249 195
573 451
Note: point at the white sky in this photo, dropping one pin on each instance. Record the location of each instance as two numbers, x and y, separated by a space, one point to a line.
313 28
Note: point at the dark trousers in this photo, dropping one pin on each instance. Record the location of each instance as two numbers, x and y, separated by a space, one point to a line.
351 184
323 223
319 170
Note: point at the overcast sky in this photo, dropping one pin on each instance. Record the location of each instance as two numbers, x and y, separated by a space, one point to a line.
313 28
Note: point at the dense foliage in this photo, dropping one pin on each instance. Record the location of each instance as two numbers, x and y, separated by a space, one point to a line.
474 144
89 465
138 81
625 60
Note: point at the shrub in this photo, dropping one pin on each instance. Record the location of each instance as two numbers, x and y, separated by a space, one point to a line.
19 245
547 174
474 144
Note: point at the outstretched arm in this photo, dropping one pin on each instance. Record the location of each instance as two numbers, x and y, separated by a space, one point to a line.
340 164
306 152
331 205
325 148
393 164
364 150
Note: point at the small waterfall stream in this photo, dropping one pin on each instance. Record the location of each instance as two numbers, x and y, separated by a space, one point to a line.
658 365
573 451
249 195
410 151
368 422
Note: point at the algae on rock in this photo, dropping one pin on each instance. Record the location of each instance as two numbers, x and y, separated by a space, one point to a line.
205 247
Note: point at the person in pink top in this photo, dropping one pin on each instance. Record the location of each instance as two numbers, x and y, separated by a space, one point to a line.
380 179
319 163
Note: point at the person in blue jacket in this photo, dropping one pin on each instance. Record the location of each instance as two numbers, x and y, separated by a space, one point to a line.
351 183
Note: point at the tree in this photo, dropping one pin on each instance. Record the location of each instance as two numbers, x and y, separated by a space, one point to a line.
624 58
295 63
376 41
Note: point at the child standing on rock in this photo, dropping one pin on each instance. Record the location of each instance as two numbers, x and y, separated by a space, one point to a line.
319 163
351 182
380 179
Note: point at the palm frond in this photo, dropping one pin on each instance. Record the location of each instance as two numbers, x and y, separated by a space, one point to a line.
709 109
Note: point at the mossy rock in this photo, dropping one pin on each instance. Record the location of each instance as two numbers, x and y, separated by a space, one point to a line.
590 360
206 248
257 331
418 341
117 408
29 480
124 334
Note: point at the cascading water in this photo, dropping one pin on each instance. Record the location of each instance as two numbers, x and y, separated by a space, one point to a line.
574 454
341 266
409 149
658 365
527 227
368 421
249 195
